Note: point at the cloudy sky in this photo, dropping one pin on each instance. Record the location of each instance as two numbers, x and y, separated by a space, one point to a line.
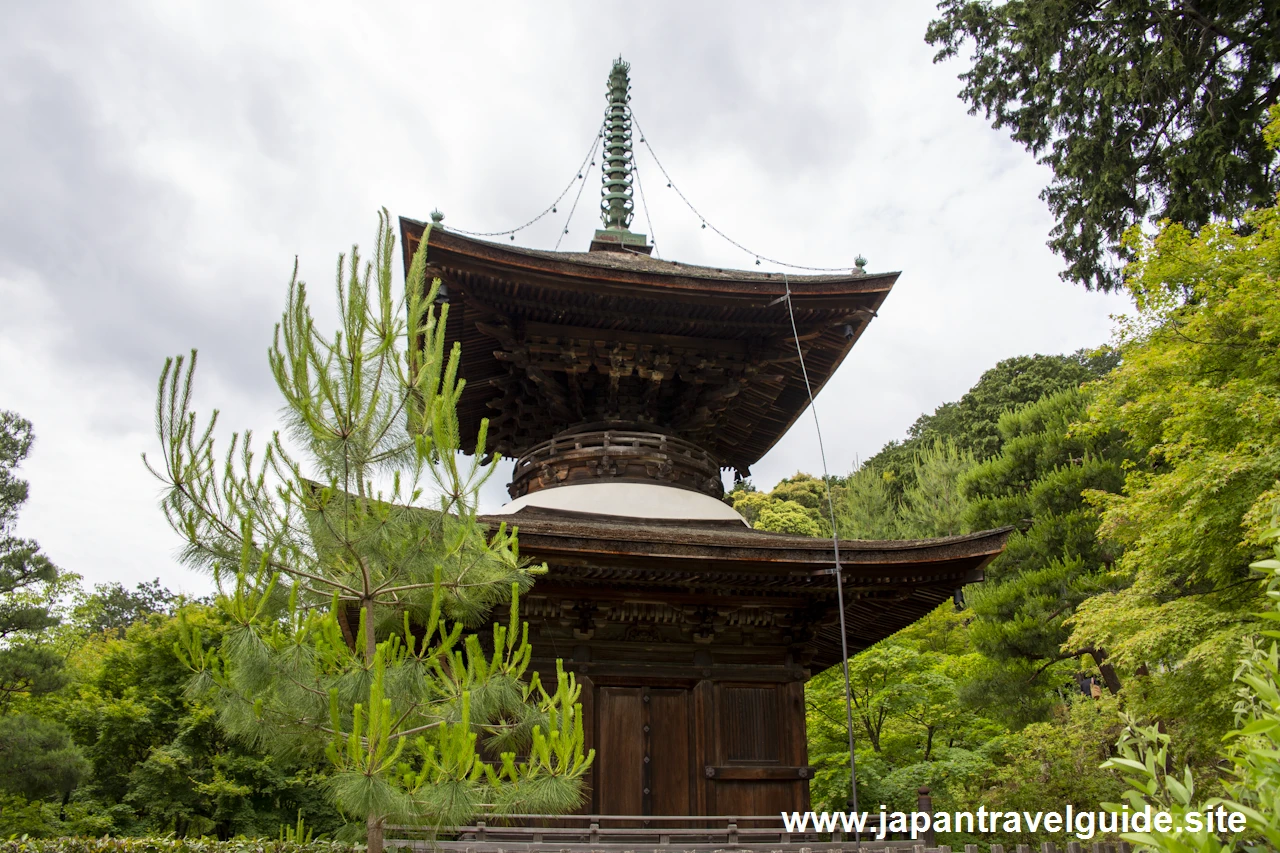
161 165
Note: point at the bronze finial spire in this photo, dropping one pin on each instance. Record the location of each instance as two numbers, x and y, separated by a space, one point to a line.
616 194
616 201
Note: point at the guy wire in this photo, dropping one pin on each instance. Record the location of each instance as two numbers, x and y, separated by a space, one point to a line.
706 223
835 545
582 174
653 238
551 208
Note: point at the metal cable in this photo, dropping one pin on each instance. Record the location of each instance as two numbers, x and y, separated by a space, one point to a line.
644 140
551 208
835 545
653 237
576 198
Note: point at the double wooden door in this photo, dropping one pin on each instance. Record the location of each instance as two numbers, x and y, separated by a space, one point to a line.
644 751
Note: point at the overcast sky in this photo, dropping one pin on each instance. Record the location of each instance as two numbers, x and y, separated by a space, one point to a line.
162 163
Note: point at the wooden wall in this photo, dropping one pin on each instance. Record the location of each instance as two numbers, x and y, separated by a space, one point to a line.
695 746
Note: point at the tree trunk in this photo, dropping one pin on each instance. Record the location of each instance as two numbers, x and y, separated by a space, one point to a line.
373 822
1109 676
928 743
873 733
370 641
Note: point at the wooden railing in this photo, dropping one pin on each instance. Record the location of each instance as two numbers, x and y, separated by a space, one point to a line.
618 455
617 832
665 834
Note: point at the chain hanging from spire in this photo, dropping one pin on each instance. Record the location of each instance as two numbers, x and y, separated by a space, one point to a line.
616 202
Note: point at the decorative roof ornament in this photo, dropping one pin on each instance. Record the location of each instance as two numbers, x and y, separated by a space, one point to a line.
616 193
616 202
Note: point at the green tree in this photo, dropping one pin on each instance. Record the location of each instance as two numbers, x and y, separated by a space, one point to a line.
26 666
1198 400
867 508
787 517
797 505
973 421
113 608
1053 561
349 605
905 689
933 504
159 760
1141 108
876 679
1251 757
37 758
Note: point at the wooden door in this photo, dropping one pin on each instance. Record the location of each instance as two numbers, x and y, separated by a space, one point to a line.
643 761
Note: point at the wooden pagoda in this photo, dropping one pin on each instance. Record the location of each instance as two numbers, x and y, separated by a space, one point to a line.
624 386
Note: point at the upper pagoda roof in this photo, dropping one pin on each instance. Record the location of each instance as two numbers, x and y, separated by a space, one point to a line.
552 340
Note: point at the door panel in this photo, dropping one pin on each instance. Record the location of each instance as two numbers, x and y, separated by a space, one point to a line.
670 759
644 763
619 764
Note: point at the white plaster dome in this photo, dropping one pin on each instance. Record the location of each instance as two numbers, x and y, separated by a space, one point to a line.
627 500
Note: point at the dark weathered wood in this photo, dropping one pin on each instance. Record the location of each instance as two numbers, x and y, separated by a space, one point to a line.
619 771
670 752
616 454
771 773
670 324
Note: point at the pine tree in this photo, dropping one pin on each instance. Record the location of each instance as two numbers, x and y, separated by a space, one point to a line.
1054 560
24 665
353 605
37 758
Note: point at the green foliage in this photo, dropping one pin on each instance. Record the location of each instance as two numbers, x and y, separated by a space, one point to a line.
24 666
1052 762
37 758
1053 560
113 608
973 421
867 507
910 727
1198 396
797 505
33 819
787 517
932 503
158 759
1198 401
170 845
1252 753
346 602
1139 108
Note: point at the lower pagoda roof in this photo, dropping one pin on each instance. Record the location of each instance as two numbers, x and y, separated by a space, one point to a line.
553 340
887 584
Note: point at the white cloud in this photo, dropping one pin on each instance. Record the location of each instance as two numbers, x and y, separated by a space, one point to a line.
161 165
